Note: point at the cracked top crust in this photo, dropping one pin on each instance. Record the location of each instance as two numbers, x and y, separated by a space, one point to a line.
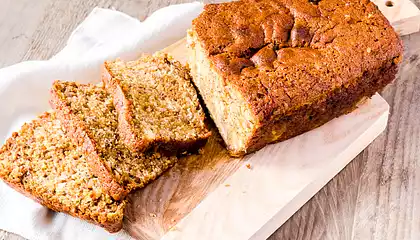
282 54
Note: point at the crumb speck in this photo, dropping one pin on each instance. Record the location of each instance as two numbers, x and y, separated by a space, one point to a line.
249 166
227 185
369 50
152 215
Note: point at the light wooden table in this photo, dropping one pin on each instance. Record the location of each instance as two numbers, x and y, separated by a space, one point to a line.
377 196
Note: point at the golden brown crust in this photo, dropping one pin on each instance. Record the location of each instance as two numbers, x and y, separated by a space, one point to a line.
111 227
125 113
286 57
76 131
312 116
136 135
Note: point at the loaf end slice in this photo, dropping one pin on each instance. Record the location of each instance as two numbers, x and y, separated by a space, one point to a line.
156 103
43 164
88 114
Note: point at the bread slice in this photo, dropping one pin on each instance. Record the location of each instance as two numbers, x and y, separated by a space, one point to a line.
88 114
270 70
156 104
42 163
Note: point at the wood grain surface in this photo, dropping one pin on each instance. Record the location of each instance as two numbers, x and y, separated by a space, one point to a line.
403 14
377 196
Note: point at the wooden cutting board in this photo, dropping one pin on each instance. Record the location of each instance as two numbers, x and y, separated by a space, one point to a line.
213 196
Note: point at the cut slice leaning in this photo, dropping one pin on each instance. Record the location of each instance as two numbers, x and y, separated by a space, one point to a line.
157 104
88 114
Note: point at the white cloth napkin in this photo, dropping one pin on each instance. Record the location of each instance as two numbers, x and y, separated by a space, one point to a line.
24 93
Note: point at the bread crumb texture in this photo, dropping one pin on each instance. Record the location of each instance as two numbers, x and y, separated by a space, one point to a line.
41 161
159 102
94 109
